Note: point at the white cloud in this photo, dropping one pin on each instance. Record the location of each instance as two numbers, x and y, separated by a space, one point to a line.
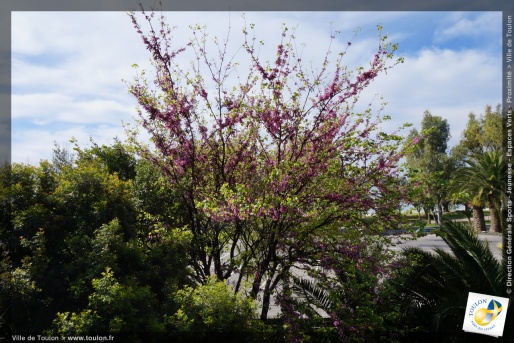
80 54
69 73
32 145
447 83
460 25
46 108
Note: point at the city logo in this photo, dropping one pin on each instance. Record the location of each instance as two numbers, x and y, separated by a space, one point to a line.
485 314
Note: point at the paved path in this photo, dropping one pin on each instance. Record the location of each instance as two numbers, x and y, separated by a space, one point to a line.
431 241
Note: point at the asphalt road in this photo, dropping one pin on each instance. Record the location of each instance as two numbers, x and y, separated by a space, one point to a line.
431 241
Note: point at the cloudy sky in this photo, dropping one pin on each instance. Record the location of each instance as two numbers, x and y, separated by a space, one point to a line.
68 67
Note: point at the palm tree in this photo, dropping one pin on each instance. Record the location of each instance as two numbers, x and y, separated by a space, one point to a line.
435 288
477 208
483 179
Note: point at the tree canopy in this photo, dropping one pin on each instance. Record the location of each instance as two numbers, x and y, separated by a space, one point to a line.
268 164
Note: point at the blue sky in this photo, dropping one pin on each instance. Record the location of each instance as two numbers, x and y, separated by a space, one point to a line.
68 67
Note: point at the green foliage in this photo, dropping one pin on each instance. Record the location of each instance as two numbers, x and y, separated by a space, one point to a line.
214 308
113 308
480 135
493 124
472 135
67 225
89 196
437 133
154 195
434 289
75 323
346 286
106 245
429 167
115 157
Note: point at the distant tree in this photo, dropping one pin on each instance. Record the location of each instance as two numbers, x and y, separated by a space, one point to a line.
438 134
419 194
429 164
492 139
481 134
62 157
472 135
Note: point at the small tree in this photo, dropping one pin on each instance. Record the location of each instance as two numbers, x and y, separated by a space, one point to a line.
268 159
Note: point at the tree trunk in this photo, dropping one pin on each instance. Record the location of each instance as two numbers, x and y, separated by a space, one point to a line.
478 218
495 217
427 213
263 268
256 286
266 296
440 214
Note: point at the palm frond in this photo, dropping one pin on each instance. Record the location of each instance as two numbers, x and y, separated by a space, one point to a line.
312 294
479 263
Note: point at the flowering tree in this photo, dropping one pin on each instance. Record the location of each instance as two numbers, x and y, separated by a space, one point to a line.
266 160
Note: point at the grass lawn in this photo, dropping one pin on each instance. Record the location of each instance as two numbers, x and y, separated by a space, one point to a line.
413 217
